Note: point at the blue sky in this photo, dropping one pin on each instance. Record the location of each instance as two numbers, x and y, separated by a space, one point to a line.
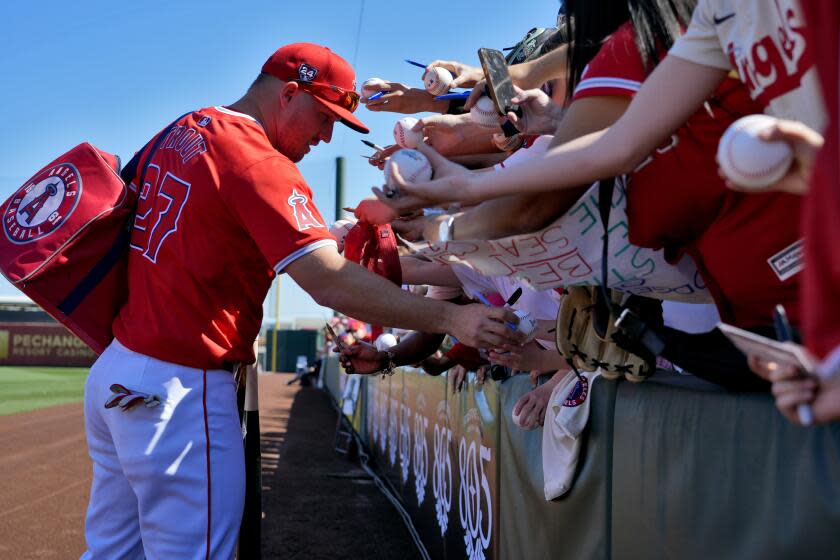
113 73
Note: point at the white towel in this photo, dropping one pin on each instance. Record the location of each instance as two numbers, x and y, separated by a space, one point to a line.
565 419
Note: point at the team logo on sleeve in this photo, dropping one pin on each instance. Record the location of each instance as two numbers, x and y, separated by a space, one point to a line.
578 394
307 73
45 202
303 215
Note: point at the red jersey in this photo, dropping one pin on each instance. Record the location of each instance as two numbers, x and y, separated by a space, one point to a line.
821 282
220 213
765 42
746 246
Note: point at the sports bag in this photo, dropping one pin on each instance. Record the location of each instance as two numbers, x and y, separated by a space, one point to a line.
65 238
374 247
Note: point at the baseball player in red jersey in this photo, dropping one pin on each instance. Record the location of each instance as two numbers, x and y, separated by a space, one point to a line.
222 210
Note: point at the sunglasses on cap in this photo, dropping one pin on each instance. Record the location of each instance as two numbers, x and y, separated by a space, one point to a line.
343 98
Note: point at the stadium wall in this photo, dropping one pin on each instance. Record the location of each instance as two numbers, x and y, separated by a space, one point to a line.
665 471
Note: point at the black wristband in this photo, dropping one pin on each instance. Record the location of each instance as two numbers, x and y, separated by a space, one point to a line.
390 366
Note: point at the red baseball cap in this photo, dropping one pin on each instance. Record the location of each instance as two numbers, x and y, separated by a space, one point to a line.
327 77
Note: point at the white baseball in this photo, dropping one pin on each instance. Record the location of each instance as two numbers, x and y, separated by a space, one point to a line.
484 113
748 161
404 136
340 229
518 420
414 167
385 341
437 80
372 86
527 323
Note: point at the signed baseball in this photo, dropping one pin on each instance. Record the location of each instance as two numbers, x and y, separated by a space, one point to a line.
372 86
437 80
404 136
340 229
748 161
527 323
484 113
413 165
385 341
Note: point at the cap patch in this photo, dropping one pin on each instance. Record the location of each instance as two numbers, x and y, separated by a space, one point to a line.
307 73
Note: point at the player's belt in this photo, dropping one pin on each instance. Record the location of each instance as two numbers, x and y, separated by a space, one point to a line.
230 366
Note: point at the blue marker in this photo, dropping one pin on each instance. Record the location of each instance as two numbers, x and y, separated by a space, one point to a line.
784 334
416 63
376 95
457 95
483 300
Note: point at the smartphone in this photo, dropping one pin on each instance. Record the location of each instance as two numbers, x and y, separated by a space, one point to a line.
499 85
770 350
336 339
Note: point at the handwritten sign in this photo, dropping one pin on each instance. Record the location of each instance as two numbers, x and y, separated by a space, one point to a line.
568 253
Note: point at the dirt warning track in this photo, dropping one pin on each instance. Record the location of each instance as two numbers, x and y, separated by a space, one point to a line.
46 476
315 504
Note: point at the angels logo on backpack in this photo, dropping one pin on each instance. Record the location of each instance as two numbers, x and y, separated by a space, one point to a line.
41 205
66 233
58 227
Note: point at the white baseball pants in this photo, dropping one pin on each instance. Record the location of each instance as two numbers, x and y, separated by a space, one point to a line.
168 481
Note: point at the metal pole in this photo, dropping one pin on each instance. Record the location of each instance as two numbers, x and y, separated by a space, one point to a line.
339 187
276 325
249 416
339 194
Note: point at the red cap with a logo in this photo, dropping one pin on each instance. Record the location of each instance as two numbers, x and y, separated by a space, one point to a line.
323 74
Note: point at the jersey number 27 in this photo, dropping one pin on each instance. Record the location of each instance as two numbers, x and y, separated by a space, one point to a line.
159 207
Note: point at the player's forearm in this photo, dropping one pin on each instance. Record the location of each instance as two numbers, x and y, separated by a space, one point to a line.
373 299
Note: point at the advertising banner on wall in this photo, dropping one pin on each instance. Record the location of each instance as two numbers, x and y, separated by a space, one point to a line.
440 451
35 344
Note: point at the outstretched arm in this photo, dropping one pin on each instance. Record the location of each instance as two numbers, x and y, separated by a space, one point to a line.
531 74
365 358
672 93
418 271
523 213
344 286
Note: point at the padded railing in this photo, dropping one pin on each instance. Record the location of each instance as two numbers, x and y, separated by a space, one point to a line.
668 469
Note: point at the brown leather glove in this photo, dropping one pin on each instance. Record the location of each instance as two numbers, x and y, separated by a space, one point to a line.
579 341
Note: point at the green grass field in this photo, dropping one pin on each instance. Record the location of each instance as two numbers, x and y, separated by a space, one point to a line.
31 388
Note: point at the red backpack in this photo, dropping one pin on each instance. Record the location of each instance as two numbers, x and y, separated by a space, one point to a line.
375 248
65 238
